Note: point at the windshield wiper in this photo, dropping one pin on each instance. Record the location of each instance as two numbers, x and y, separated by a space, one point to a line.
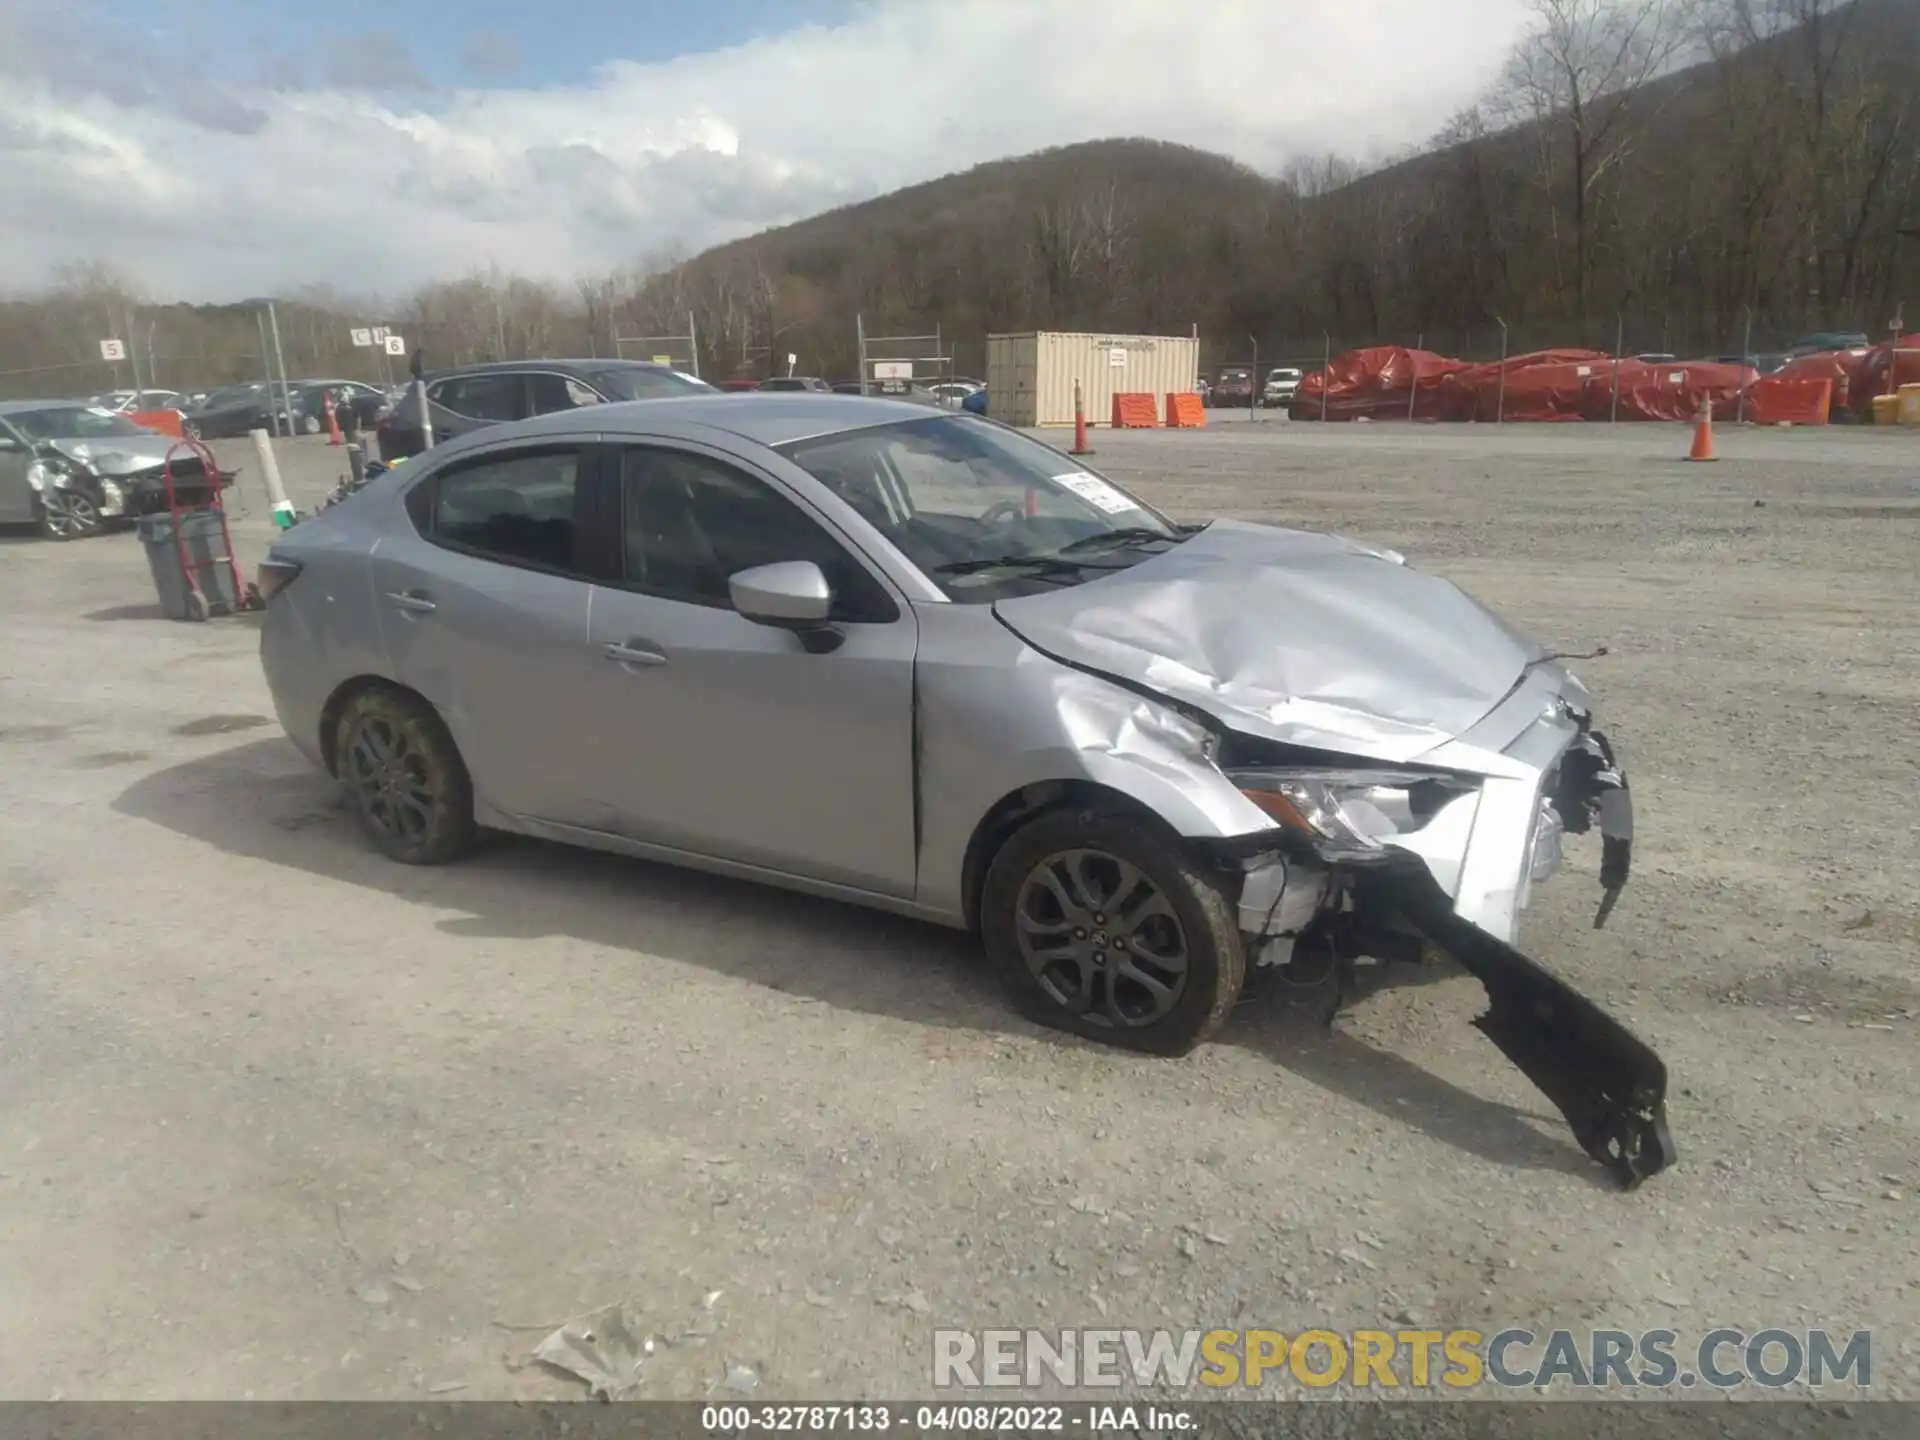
1125 535
1037 564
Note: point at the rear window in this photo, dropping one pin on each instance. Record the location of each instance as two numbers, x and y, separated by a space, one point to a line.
639 384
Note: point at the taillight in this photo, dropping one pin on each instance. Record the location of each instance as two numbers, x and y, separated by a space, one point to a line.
276 573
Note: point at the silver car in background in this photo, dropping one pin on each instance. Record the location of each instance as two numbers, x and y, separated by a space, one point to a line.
925 663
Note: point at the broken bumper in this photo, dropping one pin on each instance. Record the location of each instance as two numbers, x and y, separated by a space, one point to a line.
1609 1084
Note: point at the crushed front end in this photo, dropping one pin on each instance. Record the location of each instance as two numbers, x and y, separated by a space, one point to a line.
1398 862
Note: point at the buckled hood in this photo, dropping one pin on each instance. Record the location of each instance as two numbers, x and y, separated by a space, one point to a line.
1304 638
116 455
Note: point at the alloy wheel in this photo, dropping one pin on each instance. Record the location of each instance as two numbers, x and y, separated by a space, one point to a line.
69 515
388 776
1101 939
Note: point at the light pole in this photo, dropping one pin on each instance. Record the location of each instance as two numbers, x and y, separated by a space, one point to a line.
275 360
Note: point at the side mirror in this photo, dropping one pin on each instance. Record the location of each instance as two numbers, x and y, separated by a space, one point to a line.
792 594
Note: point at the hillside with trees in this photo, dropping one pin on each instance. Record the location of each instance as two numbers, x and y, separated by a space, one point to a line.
1669 171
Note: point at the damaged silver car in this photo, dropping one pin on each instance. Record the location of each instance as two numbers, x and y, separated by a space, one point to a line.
73 469
926 663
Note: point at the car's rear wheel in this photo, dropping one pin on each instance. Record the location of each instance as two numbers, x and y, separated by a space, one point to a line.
404 776
1101 925
68 514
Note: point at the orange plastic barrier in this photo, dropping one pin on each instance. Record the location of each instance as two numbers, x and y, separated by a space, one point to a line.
167 422
1790 400
1135 411
1185 412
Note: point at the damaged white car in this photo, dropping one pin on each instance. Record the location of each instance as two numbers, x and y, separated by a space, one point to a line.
929 664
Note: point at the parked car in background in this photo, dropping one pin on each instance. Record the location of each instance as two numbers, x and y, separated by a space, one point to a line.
953 393
73 469
233 410
976 403
738 385
474 396
127 402
366 403
1855 341
921 662
1282 382
1234 387
797 382
847 387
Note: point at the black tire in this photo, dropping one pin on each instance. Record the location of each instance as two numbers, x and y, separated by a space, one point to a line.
404 778
69 514
1088 852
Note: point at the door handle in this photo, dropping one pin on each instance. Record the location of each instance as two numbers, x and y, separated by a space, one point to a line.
634 652
412 600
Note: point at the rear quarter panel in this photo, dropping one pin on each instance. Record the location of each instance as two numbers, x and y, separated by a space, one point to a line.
324 629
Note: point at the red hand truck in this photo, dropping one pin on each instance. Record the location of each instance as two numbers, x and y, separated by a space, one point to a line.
199 604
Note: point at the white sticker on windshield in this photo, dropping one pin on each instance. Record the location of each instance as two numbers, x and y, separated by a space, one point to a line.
103 414
1092 488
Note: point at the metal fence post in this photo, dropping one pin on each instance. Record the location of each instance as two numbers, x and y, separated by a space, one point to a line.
1413 374
1746 358
1619 339
1500 411
860 350
1326 371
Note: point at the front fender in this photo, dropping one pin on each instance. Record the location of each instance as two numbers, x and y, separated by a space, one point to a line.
1006 717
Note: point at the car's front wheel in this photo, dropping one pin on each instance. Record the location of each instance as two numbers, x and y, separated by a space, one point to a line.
1102 925
404 777
68 514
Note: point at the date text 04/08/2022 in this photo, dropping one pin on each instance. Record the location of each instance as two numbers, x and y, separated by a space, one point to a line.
960 1416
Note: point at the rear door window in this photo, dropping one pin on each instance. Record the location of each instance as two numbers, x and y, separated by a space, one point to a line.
550 392
494 396
520 509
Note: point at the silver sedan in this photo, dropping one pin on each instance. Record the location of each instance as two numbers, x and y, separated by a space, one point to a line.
926 663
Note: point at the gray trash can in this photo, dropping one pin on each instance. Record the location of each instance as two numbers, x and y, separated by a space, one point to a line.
205 546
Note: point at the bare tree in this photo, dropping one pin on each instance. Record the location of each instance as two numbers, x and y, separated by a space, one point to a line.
1576 76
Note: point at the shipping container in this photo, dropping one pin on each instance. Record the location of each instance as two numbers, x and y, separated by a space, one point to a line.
1030 377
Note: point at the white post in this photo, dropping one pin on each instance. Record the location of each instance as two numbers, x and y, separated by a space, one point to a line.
270 474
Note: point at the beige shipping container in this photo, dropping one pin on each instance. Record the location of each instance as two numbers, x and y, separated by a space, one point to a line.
1030 377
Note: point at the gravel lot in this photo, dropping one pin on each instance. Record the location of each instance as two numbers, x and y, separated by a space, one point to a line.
284 1120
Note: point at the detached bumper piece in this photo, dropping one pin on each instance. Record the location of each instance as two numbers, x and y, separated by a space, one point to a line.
1592 787
1609 1083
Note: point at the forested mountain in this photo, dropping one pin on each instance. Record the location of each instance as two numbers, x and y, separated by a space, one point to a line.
1668 171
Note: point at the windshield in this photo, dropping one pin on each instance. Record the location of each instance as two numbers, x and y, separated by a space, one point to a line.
624 384
73 422
983 510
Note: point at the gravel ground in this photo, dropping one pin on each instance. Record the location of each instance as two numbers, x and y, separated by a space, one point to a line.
284 1120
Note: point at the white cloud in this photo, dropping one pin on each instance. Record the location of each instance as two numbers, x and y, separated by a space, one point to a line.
212 190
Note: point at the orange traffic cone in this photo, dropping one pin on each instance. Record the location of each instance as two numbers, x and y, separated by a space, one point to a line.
333 423
1703 434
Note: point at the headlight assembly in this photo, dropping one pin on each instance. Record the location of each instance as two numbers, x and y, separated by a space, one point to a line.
1349 814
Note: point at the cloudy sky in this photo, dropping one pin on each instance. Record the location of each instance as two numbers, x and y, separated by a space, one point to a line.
219 148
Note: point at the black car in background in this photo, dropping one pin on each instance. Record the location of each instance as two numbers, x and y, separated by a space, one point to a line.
797 382
302 409
470 396
1234 387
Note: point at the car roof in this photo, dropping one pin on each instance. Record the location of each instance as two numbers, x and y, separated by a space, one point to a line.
765 417
564 367
21 407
